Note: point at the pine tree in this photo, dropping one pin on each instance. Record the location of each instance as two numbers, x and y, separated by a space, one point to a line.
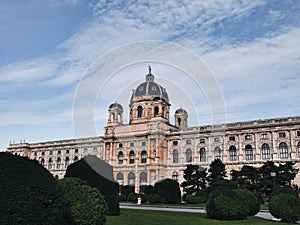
217 171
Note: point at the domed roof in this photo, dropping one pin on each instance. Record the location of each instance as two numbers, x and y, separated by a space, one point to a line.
181 110
116 105
150 88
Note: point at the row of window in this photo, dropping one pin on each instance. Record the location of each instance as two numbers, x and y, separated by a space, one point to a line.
131 144
144 157
247 137
143 178
156 111
59 164
233 153
59 152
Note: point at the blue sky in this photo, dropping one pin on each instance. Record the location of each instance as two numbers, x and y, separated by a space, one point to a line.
46 46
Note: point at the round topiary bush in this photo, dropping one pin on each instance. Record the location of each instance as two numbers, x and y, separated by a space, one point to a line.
133 197
86 203
226 204
29 194
250 200
285 207
284 190
153 198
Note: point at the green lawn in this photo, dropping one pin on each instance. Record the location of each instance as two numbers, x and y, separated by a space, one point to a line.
144 217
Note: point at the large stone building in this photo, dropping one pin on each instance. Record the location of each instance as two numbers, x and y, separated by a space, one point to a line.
150 148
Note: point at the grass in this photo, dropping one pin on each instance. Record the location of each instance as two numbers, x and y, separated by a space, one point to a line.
144 217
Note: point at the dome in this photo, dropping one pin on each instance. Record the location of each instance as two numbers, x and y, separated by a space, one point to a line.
150 88
116 105
181 110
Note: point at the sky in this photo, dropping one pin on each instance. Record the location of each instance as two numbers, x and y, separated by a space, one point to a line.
47 48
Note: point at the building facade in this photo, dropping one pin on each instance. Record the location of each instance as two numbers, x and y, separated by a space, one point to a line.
149 148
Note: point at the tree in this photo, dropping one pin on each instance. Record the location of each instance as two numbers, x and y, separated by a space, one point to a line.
195 179
217 171
87 205
29 193
169 190
246 178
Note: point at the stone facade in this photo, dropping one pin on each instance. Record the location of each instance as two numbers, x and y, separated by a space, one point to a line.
150 148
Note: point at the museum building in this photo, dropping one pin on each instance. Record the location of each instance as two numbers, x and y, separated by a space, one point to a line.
149 148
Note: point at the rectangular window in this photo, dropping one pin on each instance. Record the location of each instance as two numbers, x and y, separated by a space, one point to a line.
298 133
202 140
188 142
120 145
95 150
143 143
247 137
216 139
231 138
131 144
264 136
85 150
58 152
67 151
281 134
175 142
76 150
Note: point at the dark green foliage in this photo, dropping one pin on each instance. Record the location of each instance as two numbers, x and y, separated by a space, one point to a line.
250 200
264 180
284 190
29 194
132 197
168 189
108 188
86 203
216 171
149 190
153 198
285 207
195 179
193 199
223 184
225 204
127 189
122 198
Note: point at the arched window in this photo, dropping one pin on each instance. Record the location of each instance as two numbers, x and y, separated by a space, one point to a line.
232 153
202 155
175 176
179 121
120 158
58 163
42 161
131 179
50 164
218 153
156 111
131 157
283 150
265 151
140 111
175 156
67 162
143 178
75 158
188 156
120 178
298 147
144 157
248 152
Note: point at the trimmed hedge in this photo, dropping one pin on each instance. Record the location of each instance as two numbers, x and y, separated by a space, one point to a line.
29 194
108 188
285 207
86 203
168 190
284 190
226 204
250 200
